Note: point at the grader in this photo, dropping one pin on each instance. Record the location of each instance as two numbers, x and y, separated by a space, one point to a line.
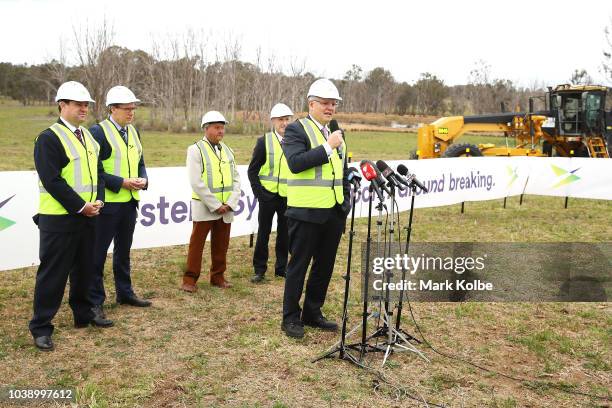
574 123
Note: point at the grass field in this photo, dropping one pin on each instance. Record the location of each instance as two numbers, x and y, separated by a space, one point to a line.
225 348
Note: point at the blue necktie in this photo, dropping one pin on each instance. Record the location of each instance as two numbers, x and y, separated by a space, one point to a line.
123 136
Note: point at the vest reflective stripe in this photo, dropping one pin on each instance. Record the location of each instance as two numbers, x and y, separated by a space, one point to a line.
123 160
273 173
81 172
217 174
321 186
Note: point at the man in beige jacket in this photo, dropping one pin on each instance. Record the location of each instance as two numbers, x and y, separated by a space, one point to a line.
215 183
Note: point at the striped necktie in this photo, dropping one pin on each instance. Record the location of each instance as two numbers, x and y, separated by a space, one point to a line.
122 132
325 132
78 135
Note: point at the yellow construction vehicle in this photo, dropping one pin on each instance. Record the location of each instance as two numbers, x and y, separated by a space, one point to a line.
574 123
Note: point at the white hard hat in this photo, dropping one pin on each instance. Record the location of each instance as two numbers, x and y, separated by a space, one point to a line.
324 88
73 91
279 110
213 117
120 94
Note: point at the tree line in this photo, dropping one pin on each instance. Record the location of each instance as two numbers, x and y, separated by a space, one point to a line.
178 81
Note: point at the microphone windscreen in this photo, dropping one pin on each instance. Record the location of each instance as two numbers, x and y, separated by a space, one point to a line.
403 170
382 166
369 171
333 125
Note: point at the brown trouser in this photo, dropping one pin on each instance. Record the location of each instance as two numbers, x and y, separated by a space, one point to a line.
219 242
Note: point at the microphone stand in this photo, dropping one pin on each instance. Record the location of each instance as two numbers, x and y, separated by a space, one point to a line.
406 250
379 228
364 346
397 340
340 347
400 334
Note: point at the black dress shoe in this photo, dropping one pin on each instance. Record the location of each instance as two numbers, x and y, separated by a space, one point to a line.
280 274
295 330
134 301
101 322
99 318
258 278
96 321
322 323
44 343
98 311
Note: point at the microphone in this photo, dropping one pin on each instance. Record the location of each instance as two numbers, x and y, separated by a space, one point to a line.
411 178
371 174
333 126
354 177
390 175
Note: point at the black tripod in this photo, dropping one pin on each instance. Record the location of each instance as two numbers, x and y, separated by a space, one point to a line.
341 347
396 338
362 347
406 249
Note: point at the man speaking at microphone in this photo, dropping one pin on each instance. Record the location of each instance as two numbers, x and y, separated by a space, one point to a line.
317 206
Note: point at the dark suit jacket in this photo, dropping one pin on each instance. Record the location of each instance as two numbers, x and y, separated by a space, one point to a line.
301 156
50 158
112 182
257 160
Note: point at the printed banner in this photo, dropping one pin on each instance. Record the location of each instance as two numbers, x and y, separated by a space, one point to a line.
164 216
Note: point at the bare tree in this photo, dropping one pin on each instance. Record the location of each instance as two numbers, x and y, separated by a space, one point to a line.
607 53
98 75
580 77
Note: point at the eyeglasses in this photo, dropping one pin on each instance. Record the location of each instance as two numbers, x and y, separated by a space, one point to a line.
328 103
131 109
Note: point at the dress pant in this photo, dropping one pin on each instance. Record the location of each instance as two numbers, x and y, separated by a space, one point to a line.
63 255
267 209
319 243
219 242
116 222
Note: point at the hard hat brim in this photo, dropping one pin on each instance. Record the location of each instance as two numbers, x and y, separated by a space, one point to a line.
76 100
323 97
119 103
215 121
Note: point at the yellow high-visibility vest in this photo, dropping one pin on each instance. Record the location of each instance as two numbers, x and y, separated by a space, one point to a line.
217 171
123 160
273 173
81 172
320 186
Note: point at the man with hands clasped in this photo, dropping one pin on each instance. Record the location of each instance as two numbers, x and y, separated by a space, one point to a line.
124 176
215 185
71 196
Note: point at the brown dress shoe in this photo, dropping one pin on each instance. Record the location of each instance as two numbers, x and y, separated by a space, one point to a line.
223 285
189 288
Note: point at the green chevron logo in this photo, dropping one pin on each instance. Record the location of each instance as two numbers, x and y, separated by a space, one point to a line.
513 174
568 177
5 222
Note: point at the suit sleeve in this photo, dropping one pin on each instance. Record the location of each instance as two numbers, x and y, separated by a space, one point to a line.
101 194
346 186
142 170
233 199
112 182
194 170
297 150
49 159
257 160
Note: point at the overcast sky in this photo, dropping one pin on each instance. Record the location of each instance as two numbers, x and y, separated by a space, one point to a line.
525 41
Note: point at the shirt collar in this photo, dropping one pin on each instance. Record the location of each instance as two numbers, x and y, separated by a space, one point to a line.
115 123
279 137
68 125
320 126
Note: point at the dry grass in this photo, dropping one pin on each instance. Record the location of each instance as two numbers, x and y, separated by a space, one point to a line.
225 348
